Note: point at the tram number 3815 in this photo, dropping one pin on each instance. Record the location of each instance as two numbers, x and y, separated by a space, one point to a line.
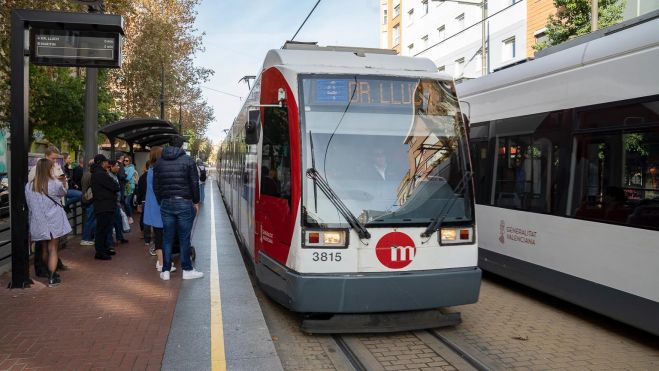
326 256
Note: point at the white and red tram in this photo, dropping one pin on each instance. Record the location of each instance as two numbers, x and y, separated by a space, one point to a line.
348 181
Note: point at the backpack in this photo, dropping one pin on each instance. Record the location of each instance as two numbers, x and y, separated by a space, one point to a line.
87 197
202 174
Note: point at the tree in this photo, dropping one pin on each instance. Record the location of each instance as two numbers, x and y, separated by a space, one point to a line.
573 18
56 93
160 43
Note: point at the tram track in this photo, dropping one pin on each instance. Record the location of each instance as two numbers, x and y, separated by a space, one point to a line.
359 352
349 354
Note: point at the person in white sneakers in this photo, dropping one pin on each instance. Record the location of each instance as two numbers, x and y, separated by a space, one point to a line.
176 187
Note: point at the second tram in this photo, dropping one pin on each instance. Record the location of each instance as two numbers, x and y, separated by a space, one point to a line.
566 156
348 181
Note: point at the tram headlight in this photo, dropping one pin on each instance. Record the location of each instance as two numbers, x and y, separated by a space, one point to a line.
331 238
454 236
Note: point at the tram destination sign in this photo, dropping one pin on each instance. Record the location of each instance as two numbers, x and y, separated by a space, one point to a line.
55 47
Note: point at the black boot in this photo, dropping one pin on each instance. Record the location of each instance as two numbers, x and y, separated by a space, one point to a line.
53 279
61 266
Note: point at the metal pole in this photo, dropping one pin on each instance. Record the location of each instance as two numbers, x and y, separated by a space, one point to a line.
20 140
90 144
91 113
484 50
593 16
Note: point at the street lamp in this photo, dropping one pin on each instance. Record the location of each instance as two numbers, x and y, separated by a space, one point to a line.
483 5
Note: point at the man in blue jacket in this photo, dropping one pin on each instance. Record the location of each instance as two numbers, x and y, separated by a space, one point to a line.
176 186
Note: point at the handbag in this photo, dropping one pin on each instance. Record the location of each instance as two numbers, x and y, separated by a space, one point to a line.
125 226
55 202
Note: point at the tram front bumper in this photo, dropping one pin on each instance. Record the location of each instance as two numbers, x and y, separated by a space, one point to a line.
368 292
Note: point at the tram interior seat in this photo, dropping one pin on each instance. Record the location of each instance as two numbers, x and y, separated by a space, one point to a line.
645 216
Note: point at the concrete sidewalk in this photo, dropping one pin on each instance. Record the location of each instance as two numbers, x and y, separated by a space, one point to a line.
105 315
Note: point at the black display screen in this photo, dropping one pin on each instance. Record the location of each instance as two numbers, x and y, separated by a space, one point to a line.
75 48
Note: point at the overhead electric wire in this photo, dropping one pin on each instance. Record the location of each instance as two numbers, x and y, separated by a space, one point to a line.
222 92
465 29
305 20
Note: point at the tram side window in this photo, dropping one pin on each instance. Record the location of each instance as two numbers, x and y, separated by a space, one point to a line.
527 165
482 170
616 177
276 162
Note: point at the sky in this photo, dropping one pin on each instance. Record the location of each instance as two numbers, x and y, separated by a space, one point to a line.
238 34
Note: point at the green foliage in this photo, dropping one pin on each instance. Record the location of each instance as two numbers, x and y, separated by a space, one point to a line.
57 104
635 142
573 19
160 34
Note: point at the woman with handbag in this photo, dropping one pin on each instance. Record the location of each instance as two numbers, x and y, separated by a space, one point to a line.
48 221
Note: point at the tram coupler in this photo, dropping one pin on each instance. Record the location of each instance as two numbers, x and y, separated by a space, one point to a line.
381 322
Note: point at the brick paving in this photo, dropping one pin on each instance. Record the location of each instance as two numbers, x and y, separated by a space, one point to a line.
404 351
517 328
297 350
112 315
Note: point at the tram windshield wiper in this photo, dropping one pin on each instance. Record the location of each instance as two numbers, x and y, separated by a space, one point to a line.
336 201
444 211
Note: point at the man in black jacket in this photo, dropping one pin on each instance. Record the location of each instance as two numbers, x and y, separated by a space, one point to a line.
176 186
105 191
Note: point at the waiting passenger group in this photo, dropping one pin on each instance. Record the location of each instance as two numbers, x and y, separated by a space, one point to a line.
167 195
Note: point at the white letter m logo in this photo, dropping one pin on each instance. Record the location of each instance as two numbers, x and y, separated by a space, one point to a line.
402 253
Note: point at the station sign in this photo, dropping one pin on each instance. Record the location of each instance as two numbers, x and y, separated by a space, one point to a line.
74 48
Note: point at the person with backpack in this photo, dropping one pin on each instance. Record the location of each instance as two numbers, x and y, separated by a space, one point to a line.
176 187
201 169
48 220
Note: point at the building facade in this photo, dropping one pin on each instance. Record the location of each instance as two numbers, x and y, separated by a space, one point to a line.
451 34
391 24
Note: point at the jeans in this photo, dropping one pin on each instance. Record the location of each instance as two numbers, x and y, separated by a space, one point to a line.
201 192
89 227
128 204
103 229
118 225
177 216
72 196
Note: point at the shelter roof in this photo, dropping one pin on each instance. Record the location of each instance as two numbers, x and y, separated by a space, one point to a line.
143 131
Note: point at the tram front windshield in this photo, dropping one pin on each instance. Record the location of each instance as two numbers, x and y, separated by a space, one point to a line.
393 150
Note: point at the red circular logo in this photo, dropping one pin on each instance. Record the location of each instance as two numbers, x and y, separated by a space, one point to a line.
395 250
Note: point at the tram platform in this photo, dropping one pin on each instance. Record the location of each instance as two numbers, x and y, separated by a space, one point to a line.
119 314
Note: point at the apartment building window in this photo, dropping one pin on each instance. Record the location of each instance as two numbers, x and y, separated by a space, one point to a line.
384 17
396 34
442 32
540 36
508 50
424 39
441 69
424 6
410 48
459 67
410 15
461 21
396 10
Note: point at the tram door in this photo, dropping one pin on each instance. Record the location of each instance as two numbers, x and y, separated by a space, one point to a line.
273 205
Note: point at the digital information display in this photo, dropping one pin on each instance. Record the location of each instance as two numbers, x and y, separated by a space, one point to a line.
363 92
75 48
